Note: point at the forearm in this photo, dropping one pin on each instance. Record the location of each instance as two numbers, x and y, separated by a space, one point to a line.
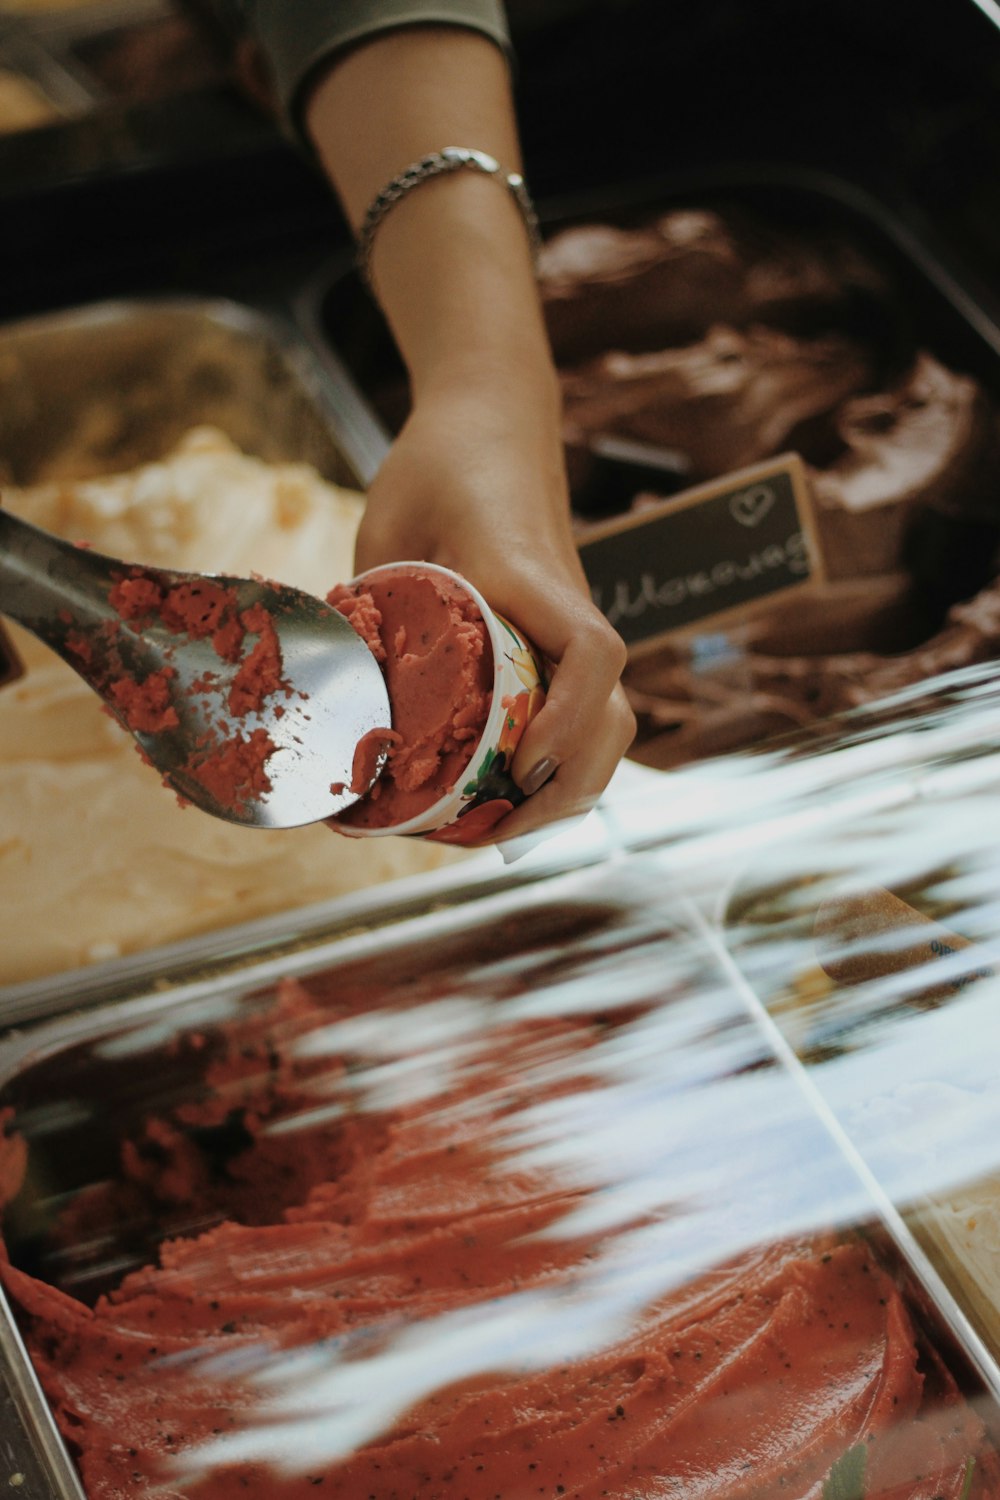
451 261
476 478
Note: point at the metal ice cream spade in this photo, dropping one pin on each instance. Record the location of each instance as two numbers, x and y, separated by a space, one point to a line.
263 734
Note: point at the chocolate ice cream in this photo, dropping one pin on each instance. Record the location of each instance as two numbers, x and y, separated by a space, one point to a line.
721 341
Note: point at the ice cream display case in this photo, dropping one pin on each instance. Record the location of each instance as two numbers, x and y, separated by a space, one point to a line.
106 387
525 1194
660 1163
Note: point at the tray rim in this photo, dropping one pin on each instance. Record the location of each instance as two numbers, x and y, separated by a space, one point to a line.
325 384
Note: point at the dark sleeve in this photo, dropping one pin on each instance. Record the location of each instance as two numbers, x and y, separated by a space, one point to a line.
298 35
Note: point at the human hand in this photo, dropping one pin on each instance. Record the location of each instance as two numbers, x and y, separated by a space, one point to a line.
475 482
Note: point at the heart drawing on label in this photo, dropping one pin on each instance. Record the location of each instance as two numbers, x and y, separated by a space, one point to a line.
749 507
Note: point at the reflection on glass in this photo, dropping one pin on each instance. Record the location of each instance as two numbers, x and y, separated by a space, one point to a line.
528 1210
876 951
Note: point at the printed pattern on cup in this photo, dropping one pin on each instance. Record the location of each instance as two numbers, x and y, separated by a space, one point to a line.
491 792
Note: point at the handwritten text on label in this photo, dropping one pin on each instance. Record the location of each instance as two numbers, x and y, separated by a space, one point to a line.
628 600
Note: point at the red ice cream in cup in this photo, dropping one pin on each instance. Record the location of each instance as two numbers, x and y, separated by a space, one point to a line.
463 686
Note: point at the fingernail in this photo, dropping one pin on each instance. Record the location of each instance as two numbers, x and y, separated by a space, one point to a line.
539 775
515 849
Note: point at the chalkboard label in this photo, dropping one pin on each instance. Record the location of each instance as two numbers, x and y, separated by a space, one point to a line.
711 551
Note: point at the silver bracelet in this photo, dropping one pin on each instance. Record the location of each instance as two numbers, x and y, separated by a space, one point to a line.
450 159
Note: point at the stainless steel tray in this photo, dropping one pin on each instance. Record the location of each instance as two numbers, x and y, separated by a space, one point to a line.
57 82
117 383
88 57
602 942
201 958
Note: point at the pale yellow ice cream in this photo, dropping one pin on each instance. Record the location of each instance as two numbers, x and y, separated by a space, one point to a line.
97 858
961 1234
22 103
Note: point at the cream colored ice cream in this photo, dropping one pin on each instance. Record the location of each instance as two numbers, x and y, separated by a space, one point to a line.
96 857
960 1233
22 103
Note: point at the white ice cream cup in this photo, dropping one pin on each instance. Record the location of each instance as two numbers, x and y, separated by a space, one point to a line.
485 792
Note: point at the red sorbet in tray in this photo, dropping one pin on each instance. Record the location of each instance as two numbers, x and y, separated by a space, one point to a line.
354 1229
